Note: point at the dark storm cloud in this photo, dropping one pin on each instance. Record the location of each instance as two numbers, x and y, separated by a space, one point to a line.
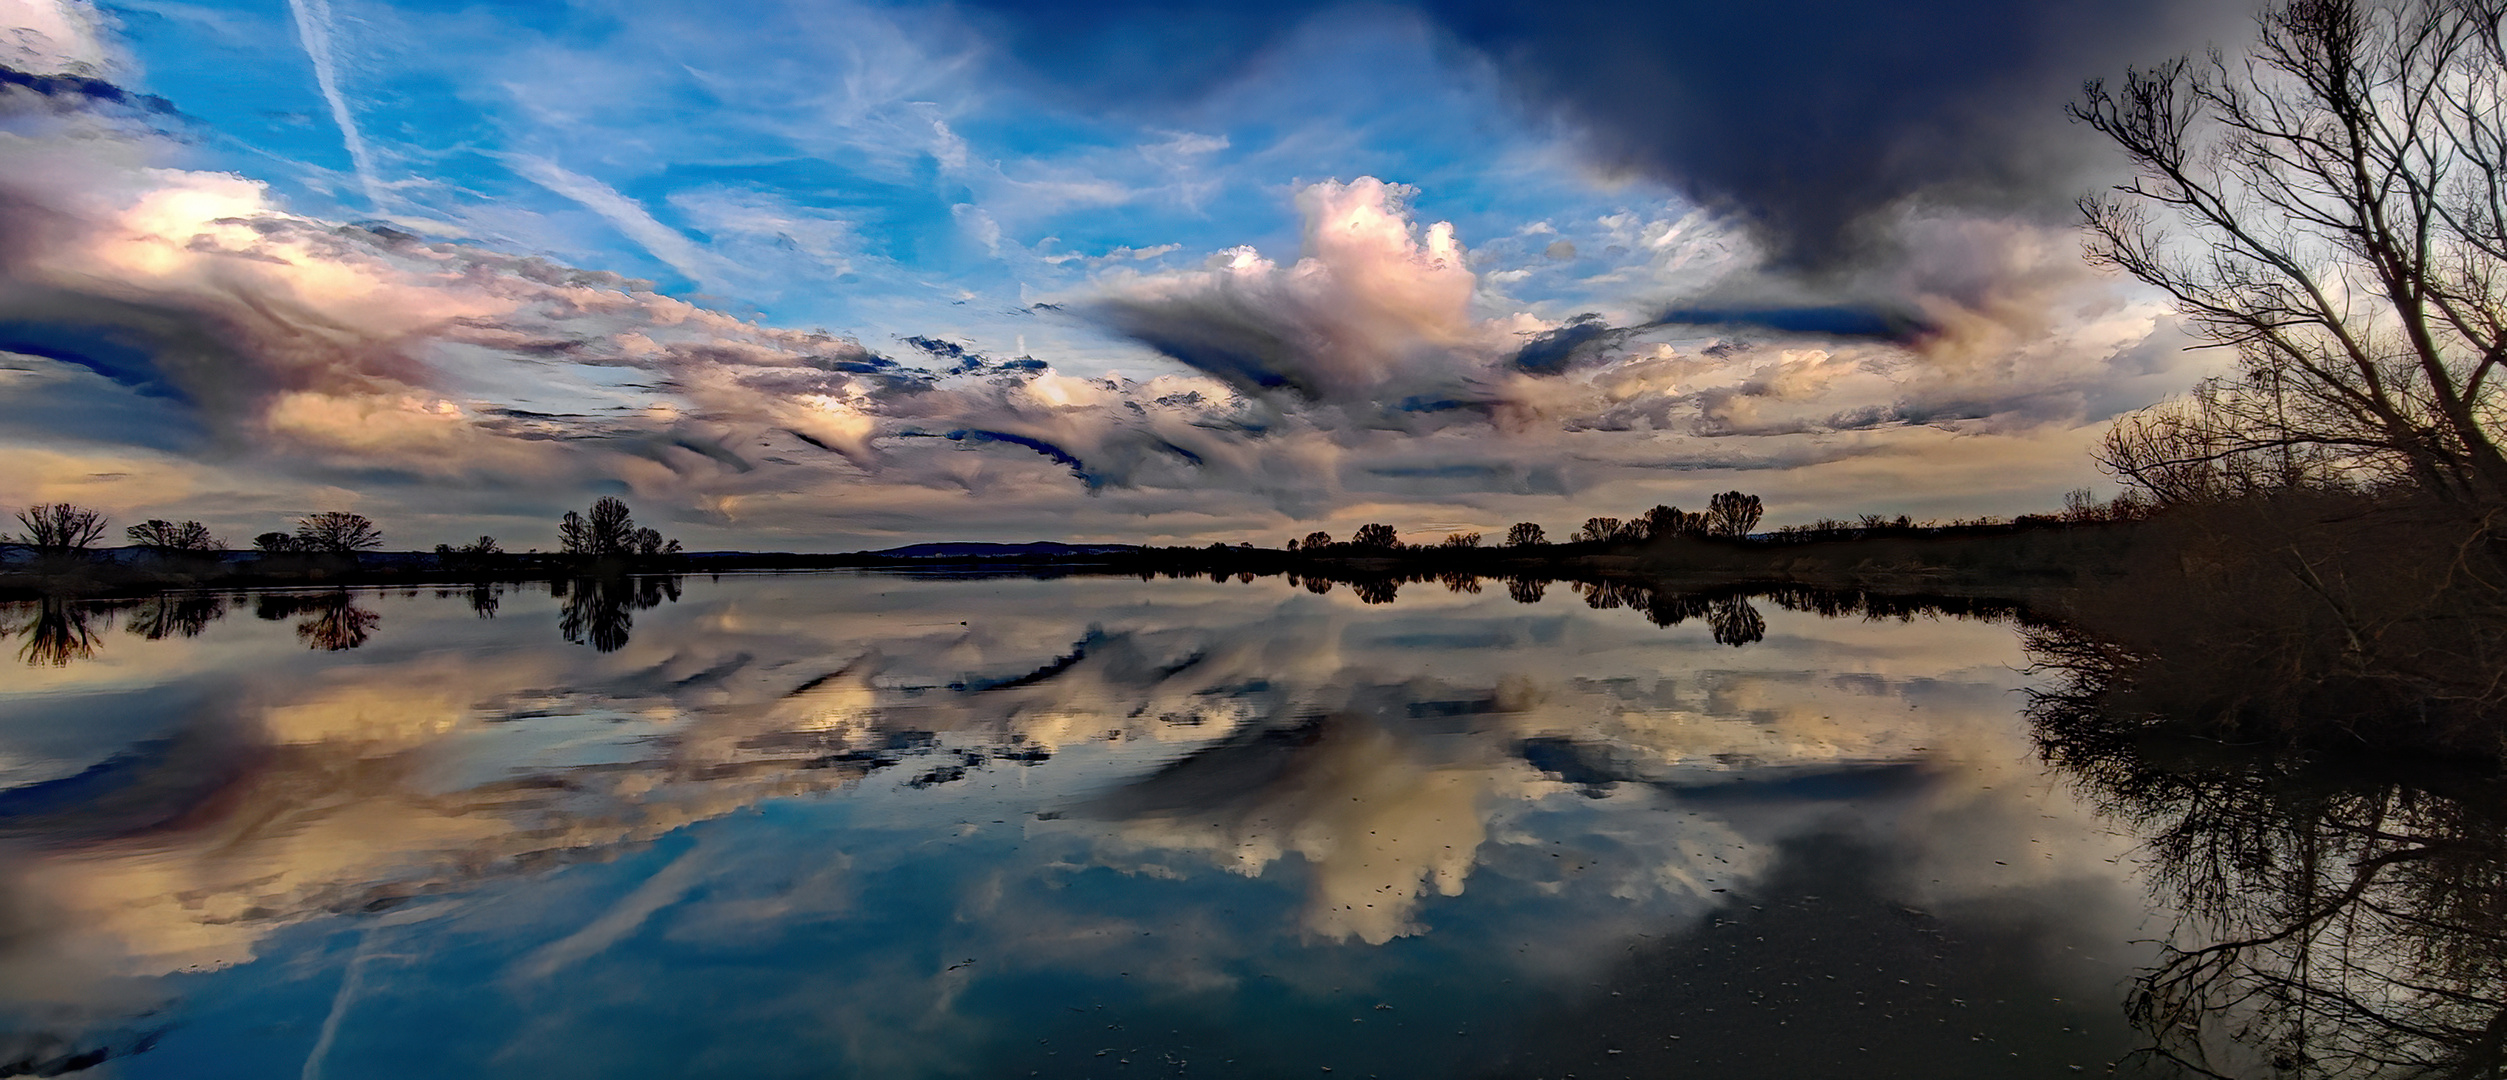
77 91
1832 321
1551 353
1223 335
1803 119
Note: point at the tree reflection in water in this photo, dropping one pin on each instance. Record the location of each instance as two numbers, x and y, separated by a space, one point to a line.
600 611
56 630
2329 925
159 617
332 621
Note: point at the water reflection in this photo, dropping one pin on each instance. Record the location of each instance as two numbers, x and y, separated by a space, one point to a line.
828 824
174 615
53 631
330 621
2334 921
600 611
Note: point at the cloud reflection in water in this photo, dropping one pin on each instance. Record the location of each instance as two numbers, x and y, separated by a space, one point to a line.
1201 795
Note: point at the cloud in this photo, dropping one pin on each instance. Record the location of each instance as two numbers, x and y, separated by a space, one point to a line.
1377 373
1810 122
630 219
55 37
1374 306
1246 729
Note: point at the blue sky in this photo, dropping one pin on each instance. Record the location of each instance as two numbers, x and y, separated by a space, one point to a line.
833 165
828 275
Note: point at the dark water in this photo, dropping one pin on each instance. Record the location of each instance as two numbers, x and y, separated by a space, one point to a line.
836 825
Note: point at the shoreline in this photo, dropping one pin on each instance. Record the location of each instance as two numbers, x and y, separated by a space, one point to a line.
2015 562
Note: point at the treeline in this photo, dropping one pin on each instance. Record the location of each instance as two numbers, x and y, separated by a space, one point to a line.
63 540
1730 515
1734 516
608 530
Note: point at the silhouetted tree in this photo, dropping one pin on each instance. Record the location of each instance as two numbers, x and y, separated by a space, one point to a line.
166 536
1460 540
60 528
274 543
1598 530
484 551
2333 208
337 532
1317 540
1526 590
1732 514
610 528
649 543
1525 534
1376 535
1664 522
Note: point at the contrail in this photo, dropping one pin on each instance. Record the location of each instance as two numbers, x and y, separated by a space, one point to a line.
350 982
313 26
629 218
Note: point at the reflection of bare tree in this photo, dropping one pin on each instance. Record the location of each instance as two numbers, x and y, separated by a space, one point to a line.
2330 926
56 631
337 624
1734 622
159 617
1377 590
332 621
600 611
1526 590
485 598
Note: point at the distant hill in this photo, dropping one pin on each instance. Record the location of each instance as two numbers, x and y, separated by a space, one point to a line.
1039 549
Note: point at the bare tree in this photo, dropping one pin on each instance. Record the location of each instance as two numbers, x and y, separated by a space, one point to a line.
1376 535
337 532
60 527
1461 540
164 535
610 527
2333 208
1526 534
1597 530
609 530
1669 521
1732 514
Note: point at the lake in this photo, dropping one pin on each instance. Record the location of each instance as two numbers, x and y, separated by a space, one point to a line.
840 824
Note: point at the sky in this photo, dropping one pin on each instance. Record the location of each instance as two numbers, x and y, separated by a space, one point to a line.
827 276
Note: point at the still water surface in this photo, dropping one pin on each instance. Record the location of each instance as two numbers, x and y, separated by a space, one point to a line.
857 825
